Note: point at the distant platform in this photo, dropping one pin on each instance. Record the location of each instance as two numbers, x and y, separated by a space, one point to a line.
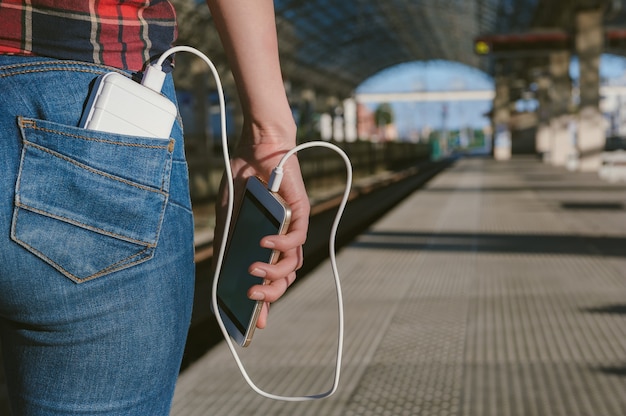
497 289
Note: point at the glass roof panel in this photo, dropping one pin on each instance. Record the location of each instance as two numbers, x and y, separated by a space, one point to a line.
334 45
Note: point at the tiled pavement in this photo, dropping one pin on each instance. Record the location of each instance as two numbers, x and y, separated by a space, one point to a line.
498 289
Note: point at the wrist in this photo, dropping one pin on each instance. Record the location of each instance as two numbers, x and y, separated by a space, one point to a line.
279 133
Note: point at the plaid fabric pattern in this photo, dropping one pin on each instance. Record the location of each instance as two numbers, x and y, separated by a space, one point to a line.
120 33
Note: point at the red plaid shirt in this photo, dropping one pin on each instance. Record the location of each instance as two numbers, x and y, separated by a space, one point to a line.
120 33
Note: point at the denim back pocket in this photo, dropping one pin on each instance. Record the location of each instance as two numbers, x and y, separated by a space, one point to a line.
89 203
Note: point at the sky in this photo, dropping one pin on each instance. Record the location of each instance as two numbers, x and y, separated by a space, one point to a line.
452 76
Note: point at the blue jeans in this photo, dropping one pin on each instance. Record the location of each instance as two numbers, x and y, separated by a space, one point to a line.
96 251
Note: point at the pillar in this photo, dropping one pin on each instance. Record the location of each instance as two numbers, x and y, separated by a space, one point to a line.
560 141
542 138
306 109
591 137
501 119
338 125
328 104
350 119
326 126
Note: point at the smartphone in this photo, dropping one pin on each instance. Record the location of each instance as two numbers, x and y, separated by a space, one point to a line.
117 104
260 213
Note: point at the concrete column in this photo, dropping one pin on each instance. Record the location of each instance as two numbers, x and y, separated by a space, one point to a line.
326 126
501 119
561 146
338 125
542 138
350 119
591 125
306 112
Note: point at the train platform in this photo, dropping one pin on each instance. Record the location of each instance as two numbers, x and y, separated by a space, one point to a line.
499 288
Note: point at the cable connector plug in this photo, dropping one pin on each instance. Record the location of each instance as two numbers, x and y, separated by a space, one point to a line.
153 77
275 179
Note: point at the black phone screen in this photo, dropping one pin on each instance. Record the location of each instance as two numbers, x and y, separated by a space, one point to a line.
254 222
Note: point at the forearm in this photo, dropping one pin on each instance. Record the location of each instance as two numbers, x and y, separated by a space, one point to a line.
248 33
247 29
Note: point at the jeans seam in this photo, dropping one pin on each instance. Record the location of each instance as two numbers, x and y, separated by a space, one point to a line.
32 124
176 204
108 269
95 171
27 207
56 66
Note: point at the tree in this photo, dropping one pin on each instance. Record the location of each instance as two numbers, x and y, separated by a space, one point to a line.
384 115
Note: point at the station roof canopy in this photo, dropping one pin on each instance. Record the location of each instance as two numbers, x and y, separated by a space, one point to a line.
334 45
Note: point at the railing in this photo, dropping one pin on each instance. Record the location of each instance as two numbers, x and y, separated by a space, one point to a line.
320 168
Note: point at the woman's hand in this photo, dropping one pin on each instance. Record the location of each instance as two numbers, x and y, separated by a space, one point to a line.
248 33
260 157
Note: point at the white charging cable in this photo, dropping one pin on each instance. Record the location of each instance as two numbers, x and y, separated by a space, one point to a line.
154 78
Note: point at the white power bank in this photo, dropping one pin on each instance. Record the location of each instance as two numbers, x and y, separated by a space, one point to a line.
120 105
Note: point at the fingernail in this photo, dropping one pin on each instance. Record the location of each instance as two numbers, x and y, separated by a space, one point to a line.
257 296
258 272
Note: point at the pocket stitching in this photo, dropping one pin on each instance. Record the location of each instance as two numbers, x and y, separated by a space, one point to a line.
92 170
18 202
85 226
136 257
27 123
111 268
56 65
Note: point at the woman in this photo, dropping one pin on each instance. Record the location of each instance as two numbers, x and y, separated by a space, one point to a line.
96 231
